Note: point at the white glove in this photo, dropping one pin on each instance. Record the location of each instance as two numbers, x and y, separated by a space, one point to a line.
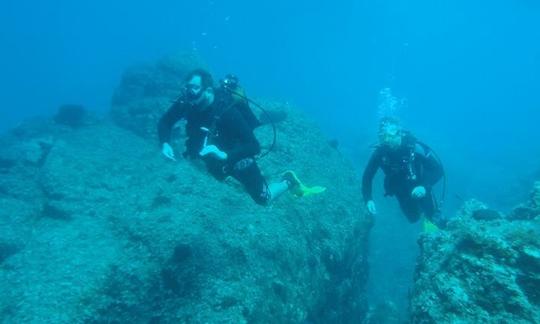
372 209
214 151
419 192
168 151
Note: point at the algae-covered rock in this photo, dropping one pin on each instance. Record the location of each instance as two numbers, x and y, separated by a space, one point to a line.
531 209
384 313
470 207
110 231
479 271
535 195
486 214
71 115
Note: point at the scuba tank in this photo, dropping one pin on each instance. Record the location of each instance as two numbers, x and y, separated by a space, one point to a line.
242 104
240 100
439 161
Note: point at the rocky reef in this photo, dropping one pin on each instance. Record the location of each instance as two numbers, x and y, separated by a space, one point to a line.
71 115
97 227
485 268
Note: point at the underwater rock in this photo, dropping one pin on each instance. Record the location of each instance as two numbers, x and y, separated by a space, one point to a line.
53 211
479 271
160 200
71 115
470 207
21 159
32 128
46 127
147 91
523 213
334 143
32 152
272 117
7 250
182 252
535 195
384 313
486 214
149 240
531 209
6 164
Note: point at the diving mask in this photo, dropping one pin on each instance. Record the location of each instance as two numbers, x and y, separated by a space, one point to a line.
390 134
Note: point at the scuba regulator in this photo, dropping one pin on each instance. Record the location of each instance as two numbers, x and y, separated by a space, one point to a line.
230 82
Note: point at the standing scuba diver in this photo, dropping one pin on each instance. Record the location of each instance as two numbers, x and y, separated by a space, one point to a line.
219 131
411 170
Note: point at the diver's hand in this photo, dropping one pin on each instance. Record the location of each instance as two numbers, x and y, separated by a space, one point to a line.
213 151
168 151
419 192
372 209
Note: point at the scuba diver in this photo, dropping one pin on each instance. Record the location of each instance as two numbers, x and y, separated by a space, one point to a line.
411 170
219 131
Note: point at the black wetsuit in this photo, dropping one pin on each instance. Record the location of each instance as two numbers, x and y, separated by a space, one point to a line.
411 165
230 130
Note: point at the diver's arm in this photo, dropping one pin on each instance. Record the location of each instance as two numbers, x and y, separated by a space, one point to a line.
167 121
369 174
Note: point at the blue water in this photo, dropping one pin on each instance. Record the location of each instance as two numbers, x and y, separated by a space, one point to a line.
467 72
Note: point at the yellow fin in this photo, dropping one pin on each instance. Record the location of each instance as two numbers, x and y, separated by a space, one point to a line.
302 190
429 227
308 191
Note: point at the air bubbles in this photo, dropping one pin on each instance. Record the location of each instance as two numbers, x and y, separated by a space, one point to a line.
389 105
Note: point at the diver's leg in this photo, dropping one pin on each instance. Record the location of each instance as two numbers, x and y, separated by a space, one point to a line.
409 206
278 188
432 210
429 205
215 169
289 181
247 172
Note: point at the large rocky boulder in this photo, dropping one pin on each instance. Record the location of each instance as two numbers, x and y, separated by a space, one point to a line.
485 268
98 227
